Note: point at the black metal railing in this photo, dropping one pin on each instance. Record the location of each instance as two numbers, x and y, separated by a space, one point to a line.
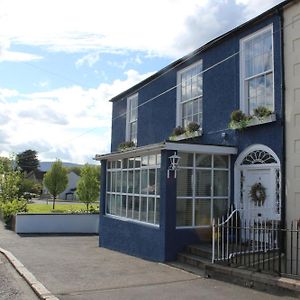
256 244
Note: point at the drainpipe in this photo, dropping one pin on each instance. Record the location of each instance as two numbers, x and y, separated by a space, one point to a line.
283 165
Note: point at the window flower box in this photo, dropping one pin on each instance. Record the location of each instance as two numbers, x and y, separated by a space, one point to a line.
263 120
186 135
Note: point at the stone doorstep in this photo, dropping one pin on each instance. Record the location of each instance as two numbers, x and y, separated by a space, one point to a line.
37 287
251 279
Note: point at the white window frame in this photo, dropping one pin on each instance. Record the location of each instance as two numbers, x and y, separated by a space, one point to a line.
211 197
178 93
128 122
243 92
111 169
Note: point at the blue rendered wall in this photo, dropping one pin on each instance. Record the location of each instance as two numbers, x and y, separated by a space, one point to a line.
221 90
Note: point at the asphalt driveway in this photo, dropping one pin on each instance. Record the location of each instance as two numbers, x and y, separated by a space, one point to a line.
74 267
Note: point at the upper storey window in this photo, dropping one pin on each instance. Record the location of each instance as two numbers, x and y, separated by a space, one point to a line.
189 95
132 117
256 62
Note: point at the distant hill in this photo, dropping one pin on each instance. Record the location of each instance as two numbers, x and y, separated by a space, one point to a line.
46 165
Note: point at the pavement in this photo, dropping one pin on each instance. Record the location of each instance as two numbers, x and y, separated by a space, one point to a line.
74 267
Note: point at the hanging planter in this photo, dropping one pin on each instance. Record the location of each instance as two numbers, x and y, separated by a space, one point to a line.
258 193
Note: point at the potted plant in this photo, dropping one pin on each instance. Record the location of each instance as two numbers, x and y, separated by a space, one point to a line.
191 130
239 120
126 146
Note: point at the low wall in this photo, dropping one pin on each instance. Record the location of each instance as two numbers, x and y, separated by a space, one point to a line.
57 223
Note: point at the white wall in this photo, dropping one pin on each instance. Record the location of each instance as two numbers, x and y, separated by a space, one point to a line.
57 223
292 107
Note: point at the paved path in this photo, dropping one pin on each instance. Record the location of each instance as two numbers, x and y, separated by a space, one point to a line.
74 267
12 285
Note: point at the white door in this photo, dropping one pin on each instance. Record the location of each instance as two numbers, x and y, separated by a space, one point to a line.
263 210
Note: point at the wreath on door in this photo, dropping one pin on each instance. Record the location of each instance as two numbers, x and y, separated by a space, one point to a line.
258 193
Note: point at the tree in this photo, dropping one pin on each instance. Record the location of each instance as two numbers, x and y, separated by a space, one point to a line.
28 160
88 185
56 180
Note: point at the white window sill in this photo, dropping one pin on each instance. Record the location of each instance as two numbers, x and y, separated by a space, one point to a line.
186 135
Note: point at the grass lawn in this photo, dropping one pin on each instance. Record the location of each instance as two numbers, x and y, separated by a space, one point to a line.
47 208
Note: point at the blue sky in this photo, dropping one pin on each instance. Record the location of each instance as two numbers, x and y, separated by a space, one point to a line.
62 60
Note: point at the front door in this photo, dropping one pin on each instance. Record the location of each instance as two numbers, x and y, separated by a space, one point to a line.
259 193
257 184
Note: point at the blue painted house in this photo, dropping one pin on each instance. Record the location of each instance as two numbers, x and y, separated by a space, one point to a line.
151 206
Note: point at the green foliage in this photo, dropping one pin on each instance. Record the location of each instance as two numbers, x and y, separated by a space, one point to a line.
5 164
56 180
124 146
75 169
9 183
178 131
10 208
238 120
193 126
88 186
29 186
28 161
61 208
261 112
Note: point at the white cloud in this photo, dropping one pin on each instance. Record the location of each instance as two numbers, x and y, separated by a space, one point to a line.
89 59
15 56
69 123
116 25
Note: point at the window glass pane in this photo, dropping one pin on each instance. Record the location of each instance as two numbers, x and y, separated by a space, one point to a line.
125 163
184 212
157 181
220 207
145 161
186 159
113 181
151 187
157 214
118 204
221 161
129 207
203 160
202 212
158 159
152 160
118 181
137 182
151 202
108 165
108 182
130 182
221 183
143 209
113 204
108 203
119 162
184 182
136 210
124 182
144 181
203 183
123 207
131 162
137 162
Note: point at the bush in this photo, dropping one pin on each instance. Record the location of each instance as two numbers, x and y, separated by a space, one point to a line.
193 126
10 208
178 131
